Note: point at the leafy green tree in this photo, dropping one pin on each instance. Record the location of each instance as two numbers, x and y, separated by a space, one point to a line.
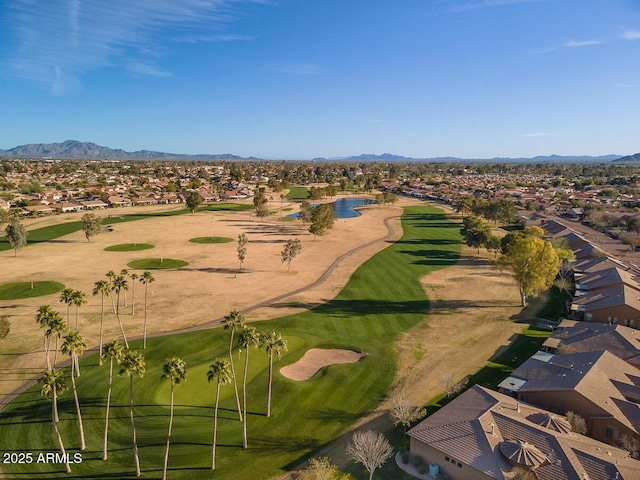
242 248
113 351
261 202
16 234
533 263
91 225
322 219
290 251
52 385
475 232
219 370
102 288
369 448
273 344
175 371
193 200
133 364
248 337
145 279
74 347
305 212
5 326
231 322
492 244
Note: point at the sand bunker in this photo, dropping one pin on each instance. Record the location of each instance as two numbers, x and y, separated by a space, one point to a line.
316 358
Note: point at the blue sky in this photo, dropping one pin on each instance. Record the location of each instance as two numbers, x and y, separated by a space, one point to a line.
299 79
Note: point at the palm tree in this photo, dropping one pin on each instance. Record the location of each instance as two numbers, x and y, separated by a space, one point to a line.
112 351
103 288
123 273
145 279
53 385
247 337
119 283
74 346
78 299
56 329
43 316
173 370
273 343
133 363
231 322
66 296
134 277
221 371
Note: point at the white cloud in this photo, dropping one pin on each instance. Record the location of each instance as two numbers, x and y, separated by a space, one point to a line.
299 68
144 69
488 4
60 41
583 43
630 34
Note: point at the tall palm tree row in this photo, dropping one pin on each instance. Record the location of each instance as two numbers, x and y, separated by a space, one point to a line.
175 371
118 284
43 318
66 296
102 288
220 371
145 279
273 344
133 364
112 351
231 322
248 337
74 346
78 298
53 385
124 273
57 327
134 277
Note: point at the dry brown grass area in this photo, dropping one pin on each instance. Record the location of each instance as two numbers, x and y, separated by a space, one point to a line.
205 290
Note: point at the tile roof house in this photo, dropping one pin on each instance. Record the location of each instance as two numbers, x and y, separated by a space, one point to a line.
616 304
605 278
580 337
600 387
484 435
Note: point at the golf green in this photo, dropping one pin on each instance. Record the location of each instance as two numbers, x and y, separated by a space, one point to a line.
16 290
211 240
129 247
157 263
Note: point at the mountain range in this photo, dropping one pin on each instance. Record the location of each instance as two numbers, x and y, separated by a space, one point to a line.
74 149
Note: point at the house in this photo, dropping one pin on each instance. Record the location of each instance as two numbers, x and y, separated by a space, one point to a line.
600 387
118 201
93 204
579 337
618 304
485 435
605 278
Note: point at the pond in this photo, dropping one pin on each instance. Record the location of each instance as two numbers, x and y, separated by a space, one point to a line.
344 207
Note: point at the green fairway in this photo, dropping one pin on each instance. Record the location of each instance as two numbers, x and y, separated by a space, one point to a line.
298 193
157 263
45 234
129 247
382 299
16 290
211 240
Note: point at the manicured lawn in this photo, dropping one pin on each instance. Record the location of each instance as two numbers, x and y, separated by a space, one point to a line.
16 290
129 247
55 231
298 193
211 240
157 263
382 299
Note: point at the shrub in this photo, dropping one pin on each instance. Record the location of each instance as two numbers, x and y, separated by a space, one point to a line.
422 469
5 326
405 457
417 461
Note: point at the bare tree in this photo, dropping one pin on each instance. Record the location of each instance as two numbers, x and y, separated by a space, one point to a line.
369 448
630 444
453 388
242 248
578 425
321 469
403 412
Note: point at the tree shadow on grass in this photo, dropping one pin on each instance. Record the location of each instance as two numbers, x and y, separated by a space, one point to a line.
353 307
268 445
